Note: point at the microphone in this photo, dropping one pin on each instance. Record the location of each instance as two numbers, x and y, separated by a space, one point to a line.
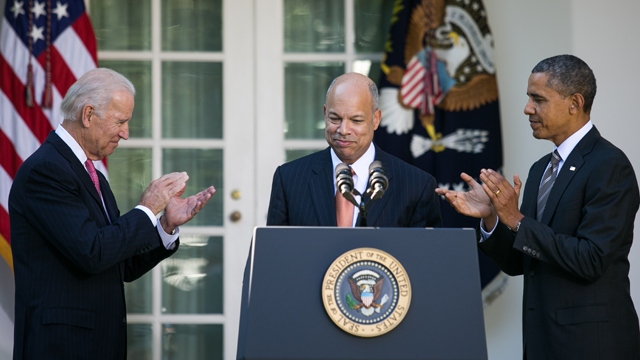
378 182
344 182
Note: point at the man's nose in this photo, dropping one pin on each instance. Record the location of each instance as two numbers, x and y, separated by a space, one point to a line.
344 127
124 132
529 109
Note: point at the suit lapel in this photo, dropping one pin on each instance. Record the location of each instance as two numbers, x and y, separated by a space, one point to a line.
109 199
77 167
321 189
569 169
377 206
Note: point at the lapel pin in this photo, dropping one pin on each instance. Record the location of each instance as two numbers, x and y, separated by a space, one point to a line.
573 168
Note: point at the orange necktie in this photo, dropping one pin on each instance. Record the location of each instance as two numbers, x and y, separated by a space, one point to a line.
344 209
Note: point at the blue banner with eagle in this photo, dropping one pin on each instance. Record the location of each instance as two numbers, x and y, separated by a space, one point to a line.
439 101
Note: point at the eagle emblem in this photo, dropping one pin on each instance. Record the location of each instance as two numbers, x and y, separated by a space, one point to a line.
366 288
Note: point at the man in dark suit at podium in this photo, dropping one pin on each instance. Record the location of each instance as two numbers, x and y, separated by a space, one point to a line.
572 235
72 249
304 191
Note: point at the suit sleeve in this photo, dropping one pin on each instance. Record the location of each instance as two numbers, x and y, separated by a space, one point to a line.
58 212
278 214
605 220
427 212
139 265
500 248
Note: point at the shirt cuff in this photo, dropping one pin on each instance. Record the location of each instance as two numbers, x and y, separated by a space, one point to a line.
484 234
167 239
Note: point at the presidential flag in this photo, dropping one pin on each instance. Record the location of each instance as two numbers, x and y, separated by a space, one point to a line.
45 46
439 101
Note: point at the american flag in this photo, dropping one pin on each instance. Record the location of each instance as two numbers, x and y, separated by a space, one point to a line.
45 46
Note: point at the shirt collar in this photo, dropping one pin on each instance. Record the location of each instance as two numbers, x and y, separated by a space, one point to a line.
570 143
72 143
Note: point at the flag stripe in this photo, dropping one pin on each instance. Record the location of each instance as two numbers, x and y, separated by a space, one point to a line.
74 52
62 77
5 182
33 117
84 31
16 130
9 160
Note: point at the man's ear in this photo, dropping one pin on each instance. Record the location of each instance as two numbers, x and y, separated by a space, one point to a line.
377 116
577 103
87 111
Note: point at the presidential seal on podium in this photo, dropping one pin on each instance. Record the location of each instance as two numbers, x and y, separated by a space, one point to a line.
366 292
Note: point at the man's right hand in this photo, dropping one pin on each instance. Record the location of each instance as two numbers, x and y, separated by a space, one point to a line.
160 191
474 203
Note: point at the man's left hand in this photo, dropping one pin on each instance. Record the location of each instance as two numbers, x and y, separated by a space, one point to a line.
504 197
179 210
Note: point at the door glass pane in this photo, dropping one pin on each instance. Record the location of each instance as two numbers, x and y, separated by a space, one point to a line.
139 73
192 277
368 68
191 342
121 24
204 167
129 176
305 90
139 338
372 20
194 25
313 26
291 155
192 100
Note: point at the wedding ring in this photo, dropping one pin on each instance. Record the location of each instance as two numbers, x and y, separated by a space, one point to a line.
497 192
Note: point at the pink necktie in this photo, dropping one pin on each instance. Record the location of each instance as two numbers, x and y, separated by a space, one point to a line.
94 176
344 209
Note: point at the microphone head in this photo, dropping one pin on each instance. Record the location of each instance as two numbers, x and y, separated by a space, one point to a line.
342 167
376 165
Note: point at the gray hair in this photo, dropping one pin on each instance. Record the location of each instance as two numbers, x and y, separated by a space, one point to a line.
96 88
569 75
373 91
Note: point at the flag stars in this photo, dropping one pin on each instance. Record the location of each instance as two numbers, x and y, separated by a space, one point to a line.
61 10
475 6
17 9
479 68
466 70
38 9
37 33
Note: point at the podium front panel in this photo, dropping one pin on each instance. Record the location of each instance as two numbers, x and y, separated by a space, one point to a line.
283 316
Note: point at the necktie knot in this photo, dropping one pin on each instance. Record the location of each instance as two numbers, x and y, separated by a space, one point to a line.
555 158
93 174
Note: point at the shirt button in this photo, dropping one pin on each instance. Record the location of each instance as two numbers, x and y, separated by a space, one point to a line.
524 248
538 255
533 252
529 251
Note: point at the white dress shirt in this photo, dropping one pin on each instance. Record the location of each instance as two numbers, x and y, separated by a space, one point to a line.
361 177
167 239
564 150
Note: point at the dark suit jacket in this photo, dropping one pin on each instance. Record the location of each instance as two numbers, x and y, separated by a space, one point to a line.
302 194
576 302
70 264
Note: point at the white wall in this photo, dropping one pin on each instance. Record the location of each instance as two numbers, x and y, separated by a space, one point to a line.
600 33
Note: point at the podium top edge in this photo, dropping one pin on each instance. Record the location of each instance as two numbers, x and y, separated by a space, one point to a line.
365 228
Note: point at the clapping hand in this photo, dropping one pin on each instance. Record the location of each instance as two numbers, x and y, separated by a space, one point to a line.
179 210
474 203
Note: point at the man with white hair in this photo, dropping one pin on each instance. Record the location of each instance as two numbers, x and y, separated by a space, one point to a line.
72 250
